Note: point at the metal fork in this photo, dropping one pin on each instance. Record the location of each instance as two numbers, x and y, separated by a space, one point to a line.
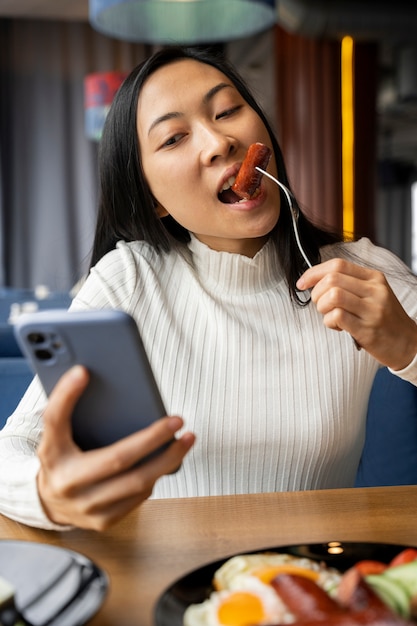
294 210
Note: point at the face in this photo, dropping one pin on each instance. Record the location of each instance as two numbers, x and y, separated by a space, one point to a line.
194 129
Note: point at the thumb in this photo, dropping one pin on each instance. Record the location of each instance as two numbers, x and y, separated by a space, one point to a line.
58 412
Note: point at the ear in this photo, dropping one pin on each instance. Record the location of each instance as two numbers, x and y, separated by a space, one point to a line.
161 211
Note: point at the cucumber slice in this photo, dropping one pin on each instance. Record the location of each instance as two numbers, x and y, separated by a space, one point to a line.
391 592
405 574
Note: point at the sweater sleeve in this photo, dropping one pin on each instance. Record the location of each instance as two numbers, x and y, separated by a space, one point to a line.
409 373
400 278
404 284
114 280
110 285
19 464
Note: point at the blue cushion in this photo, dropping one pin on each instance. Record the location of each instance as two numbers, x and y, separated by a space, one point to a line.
390 453
23 299
15 376
8 344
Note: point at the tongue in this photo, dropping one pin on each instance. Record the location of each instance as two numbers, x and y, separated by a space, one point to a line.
229 197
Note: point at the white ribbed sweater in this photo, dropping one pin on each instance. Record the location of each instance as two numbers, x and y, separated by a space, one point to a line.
278 402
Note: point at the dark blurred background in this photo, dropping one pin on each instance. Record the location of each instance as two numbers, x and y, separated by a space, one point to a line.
48 174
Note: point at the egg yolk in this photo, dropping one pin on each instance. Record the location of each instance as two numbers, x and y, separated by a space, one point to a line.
267 574
240 609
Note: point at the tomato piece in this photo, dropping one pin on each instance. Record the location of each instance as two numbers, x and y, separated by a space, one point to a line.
406 556
367 567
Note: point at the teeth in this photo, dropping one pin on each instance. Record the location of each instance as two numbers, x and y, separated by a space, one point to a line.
228 183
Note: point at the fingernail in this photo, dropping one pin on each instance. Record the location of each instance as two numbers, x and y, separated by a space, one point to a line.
300 284
77 372
175 423
188 439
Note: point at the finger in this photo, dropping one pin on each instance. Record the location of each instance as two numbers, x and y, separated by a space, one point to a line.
100 505
333 286
339 319
339 266
57 417
136 483
170 460
106 516
366 299
341 298
103 463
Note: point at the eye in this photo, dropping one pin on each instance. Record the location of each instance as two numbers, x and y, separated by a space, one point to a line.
172 140
228 112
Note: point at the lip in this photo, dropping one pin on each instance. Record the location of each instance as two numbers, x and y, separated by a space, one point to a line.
249 205
231 171
245 205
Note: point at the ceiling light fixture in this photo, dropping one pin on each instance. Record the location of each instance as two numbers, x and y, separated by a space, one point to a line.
186 22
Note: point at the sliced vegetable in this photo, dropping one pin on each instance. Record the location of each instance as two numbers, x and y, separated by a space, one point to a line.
406 556
391 592
367 567
406 575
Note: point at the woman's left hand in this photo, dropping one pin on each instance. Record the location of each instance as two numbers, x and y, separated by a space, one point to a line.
360 301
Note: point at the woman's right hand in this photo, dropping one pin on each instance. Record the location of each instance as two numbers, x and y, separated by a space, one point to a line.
95 489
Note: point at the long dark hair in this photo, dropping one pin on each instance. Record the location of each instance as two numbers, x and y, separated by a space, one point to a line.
126 206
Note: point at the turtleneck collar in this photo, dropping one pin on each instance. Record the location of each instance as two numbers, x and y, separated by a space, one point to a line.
235 273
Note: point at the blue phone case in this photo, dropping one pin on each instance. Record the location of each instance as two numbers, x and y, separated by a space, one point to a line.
122 396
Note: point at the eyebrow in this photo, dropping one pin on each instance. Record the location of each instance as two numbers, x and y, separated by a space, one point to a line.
175 114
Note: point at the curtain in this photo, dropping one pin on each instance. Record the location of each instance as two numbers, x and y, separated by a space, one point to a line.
309 122
48 175
310 126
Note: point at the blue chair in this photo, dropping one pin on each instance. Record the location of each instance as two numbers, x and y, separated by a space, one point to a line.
16 300
15 376
8 344
389 456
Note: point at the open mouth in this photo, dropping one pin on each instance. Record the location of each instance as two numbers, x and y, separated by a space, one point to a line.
228 196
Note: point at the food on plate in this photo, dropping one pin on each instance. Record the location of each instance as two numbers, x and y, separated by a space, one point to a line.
244 595
395 582
397 586
254 603
367 567
304 599
264 566
273 589
248 179
355 603
406 556
9 615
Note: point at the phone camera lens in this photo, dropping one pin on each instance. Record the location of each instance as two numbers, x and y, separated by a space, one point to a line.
43 355
36 338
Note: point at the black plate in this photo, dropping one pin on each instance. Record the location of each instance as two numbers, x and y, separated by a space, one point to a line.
53 586
196 586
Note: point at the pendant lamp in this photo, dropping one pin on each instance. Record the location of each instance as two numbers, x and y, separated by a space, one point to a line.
99 91
186 22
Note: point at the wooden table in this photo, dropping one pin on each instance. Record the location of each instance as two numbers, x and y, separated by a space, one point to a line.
164 539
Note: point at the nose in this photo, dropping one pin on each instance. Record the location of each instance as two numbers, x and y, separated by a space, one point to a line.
216 145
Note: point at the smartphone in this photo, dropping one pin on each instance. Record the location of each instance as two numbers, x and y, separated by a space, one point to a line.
121 397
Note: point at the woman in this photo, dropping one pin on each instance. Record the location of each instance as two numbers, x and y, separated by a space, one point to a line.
240 335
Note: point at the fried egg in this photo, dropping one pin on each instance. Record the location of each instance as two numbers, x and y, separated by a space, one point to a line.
266 566
244 595
252 603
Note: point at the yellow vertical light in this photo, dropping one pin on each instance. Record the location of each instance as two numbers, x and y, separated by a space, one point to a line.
348 136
